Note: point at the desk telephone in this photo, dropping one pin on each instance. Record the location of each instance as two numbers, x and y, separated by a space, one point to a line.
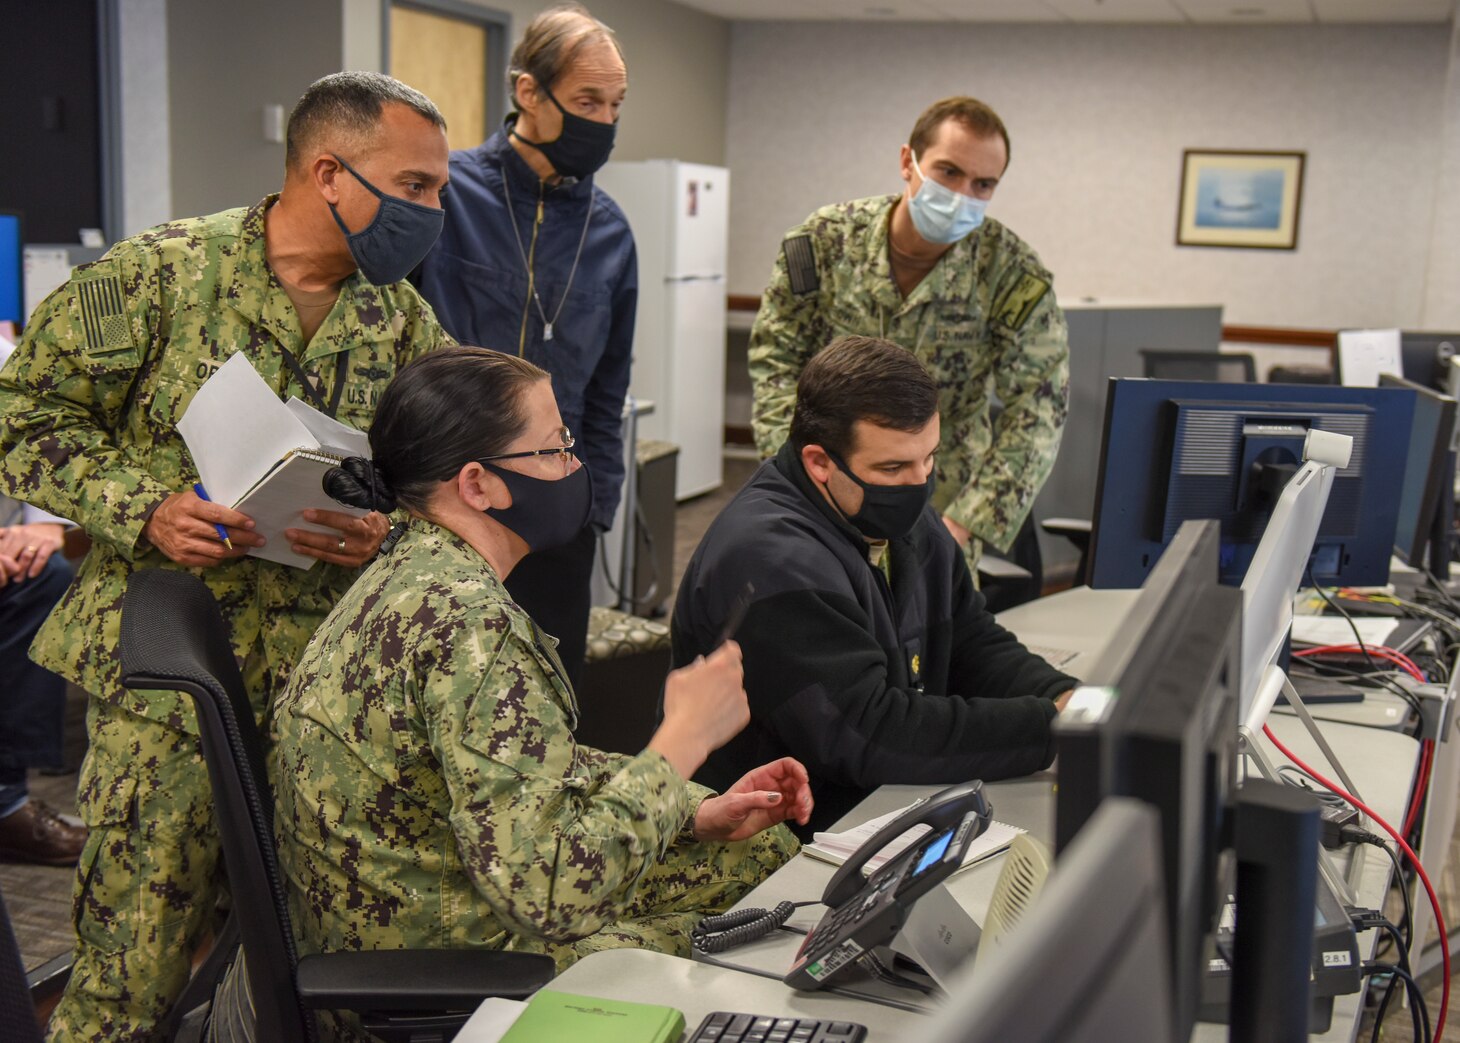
862 914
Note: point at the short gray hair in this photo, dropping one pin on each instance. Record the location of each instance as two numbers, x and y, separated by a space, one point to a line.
550 43
349 104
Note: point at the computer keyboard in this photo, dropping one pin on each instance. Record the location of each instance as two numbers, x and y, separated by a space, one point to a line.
729 1027
1055 657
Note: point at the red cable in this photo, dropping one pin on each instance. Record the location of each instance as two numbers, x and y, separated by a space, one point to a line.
1389 655
1413 860
1421 785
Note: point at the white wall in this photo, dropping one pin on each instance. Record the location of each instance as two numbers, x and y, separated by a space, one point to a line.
1442 276
1099 117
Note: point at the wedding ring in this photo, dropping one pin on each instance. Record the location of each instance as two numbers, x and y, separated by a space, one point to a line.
30 548
342 545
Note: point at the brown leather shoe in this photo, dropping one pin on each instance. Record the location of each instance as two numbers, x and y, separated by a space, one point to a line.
36 833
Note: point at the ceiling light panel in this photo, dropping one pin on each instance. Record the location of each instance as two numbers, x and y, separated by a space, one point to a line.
1383 10
997 10
1117 10
1246 12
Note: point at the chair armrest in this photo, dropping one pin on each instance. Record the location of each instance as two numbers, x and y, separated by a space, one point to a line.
1067 527
418 979
995 567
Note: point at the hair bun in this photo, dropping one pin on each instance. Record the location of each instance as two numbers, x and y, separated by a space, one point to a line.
358 483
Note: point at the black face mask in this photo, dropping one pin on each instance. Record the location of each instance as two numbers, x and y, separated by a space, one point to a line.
396 240
545 512
888 512
582 147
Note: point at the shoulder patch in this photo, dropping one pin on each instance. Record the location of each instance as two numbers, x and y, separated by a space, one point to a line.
801 265
1018 302
104 312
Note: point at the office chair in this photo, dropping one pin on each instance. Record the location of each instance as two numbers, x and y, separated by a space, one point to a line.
17 1012
173 638
1223 367
1014 578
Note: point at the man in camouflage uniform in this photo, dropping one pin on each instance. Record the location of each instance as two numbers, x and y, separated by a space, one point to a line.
965 295
91 399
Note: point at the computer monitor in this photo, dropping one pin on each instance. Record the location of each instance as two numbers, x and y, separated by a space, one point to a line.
1086 964
1157 720
12 268
1176 450
1426 504
1425 357
1275 574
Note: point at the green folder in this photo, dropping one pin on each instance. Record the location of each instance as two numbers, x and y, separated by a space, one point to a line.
559 1017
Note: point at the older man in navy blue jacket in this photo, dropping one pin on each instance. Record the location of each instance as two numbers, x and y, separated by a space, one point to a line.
535 259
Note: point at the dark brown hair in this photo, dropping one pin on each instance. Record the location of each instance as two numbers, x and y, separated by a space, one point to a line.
550 43
983 121
343 110
441 412
860 378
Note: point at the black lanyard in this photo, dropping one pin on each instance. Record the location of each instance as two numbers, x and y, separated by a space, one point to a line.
332 407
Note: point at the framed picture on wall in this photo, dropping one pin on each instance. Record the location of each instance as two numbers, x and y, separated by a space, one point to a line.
1242 199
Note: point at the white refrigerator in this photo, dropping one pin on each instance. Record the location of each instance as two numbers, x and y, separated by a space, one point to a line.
679 213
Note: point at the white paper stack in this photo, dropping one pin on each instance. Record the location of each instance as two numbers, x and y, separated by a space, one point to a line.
264 457
836 848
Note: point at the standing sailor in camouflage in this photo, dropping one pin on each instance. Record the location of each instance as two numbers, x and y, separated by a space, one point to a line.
968 297
429 789
306 285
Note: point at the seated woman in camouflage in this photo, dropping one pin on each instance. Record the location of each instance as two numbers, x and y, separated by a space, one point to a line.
430 792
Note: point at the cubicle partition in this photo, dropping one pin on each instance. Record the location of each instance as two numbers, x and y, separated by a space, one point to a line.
1106 339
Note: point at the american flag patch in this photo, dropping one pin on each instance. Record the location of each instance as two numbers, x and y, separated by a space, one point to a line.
103 315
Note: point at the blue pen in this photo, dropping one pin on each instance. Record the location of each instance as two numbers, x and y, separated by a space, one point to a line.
222 532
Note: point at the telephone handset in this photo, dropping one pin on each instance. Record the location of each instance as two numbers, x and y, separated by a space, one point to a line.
865 913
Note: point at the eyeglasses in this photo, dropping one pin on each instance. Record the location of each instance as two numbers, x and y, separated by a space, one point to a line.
565 451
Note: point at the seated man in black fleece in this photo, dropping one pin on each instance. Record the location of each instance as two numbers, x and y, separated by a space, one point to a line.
869 654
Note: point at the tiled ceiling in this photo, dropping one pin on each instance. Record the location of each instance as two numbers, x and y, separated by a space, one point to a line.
1203 12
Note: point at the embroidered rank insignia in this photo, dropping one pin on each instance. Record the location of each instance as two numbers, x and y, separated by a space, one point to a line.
104 314
801 265
1019 302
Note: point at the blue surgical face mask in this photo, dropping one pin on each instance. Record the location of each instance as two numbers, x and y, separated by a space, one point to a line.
402 233
940 214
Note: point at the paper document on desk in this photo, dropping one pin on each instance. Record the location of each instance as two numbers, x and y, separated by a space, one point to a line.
836 848
264 457
1335 630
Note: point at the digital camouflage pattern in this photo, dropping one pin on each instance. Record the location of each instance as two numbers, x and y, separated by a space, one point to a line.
984 322
90 400
430 792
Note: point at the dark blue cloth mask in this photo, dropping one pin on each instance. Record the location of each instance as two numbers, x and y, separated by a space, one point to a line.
545 512
583 146
402 233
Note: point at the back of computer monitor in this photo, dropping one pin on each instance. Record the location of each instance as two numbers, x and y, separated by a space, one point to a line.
1180 450
1088 963
1425 357
1272 579
1428 473
1166 735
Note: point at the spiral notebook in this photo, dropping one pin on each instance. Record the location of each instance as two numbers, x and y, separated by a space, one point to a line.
278 501
264 457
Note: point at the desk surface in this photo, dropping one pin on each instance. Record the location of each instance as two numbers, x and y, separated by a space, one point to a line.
1381 763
